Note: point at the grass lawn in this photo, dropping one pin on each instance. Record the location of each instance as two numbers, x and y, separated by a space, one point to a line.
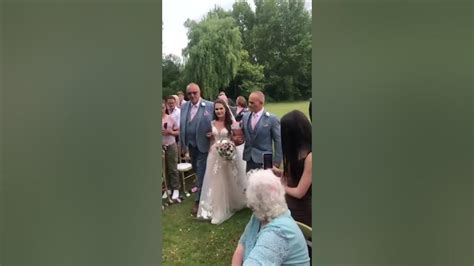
281 109
187 241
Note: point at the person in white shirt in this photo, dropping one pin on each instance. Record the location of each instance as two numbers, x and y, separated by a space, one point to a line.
173 110
181 100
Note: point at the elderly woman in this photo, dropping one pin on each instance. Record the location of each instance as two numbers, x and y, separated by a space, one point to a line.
271 237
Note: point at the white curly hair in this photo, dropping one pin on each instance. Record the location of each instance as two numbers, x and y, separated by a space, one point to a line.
265 195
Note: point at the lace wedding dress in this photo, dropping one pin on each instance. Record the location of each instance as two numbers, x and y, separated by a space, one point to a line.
224 182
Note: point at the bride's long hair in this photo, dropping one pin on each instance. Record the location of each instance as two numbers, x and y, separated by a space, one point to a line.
228 115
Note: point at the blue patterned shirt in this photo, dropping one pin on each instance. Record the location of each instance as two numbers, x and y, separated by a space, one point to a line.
280 242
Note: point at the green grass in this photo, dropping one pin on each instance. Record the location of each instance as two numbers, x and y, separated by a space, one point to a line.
187 241
282 108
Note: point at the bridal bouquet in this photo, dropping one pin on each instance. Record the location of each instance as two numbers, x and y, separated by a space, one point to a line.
226 149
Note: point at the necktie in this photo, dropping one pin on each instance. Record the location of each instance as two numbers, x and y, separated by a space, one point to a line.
254 120
193 111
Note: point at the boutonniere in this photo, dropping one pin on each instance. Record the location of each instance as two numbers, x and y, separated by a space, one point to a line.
203 104
267 114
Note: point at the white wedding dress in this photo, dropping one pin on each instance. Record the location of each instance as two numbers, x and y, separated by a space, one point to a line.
224 182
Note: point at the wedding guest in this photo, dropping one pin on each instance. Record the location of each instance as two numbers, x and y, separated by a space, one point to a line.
229 101
173 109
297 164
181 100
241 108
170 129
271 237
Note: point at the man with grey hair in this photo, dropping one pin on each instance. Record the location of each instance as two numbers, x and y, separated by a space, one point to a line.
262 133
195 123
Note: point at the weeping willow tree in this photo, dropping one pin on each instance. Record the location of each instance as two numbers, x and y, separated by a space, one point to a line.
213 53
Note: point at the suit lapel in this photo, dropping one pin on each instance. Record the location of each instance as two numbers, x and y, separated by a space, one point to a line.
246 123
186 116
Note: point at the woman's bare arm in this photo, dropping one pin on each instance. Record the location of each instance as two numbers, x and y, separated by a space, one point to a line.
305 181
238 257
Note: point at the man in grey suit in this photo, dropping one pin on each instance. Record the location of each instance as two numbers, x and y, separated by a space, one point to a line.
262 133
195 123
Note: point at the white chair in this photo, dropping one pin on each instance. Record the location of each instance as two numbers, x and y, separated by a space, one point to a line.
183 168
307 233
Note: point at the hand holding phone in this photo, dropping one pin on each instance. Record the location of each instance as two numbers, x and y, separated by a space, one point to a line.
267 160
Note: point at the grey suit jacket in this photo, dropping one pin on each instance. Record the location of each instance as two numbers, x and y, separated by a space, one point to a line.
267 135
204 116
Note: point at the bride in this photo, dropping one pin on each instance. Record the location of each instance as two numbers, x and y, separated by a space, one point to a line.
224 181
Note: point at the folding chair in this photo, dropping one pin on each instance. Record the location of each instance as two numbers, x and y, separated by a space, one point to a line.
184 168
183 157
307 233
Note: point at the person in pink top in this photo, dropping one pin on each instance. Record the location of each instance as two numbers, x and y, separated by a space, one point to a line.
170 129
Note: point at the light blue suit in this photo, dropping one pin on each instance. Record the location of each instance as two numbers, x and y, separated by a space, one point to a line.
261 139
204 117
199 151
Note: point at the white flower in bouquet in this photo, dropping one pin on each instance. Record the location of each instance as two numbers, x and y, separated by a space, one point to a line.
226 149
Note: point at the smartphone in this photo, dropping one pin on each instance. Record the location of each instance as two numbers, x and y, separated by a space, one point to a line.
267 160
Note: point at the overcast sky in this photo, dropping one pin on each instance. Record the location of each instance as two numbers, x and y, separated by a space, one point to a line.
176 12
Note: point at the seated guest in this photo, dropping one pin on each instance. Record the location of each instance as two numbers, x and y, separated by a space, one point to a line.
241 108
271 237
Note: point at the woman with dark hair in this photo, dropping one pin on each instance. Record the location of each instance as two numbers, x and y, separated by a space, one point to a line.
297 164
241 108
224 181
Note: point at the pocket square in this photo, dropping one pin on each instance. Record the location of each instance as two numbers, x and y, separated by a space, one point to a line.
206 113
266 125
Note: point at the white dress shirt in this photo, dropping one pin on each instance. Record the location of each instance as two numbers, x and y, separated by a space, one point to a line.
194 109
176 115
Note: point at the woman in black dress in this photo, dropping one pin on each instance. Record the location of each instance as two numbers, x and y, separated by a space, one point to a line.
297 165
